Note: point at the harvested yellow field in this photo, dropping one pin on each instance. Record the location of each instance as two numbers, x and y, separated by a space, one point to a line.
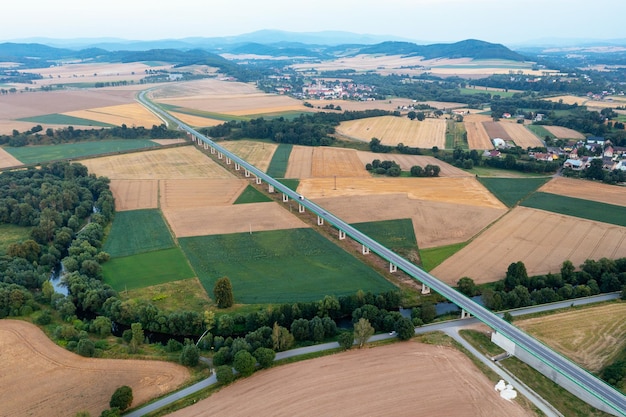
521 135
467 191
225 97
568 99
564 132
434 223
352 105
477 137
542 240
587 190
591 337
240 218
392 130
188 193
258 154
133 114
475 117
328 162
196 121
95 72
182 162
408 161
300 162
135 194
8 160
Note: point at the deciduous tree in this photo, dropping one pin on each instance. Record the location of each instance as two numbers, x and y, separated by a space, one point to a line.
223 293
363 330
122 398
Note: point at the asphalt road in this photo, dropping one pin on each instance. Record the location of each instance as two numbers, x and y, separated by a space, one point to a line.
583 379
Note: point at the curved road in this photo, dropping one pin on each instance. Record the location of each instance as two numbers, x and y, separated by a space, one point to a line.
603 392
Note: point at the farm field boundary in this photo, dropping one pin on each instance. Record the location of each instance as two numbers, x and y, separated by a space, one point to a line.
586 190
278 165
280 266
146 269
46 153
63 119
394 234
137 231
576 207
512 190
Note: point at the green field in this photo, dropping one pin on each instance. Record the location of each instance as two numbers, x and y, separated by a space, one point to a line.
278 164
394 234
61 119
486 90
540 131
292 184
432 257
10 233
146 269
251 195
576 207
45 153
511 190
137 231
281 266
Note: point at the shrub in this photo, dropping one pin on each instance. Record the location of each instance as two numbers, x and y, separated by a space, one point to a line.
224 374
346 340
173 346
244 363
190 355
265 357
86 348
122 398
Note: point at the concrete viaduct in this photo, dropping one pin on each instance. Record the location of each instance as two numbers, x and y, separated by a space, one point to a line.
561 370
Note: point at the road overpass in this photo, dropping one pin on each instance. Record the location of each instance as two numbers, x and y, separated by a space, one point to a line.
555 366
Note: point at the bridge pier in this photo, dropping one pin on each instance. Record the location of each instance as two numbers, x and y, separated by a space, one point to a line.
342 234
425 289
285 198
465 314
320 221
227 161
258 180
365 250
206 146
237 166
220 155
212 151
392 267
246 173
300 208
270 188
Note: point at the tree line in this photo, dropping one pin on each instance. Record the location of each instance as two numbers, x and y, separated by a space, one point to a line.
70 134
312 129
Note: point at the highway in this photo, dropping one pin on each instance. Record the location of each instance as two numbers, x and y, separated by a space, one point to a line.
612 398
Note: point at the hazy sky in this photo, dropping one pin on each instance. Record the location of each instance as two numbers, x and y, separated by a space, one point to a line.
501 21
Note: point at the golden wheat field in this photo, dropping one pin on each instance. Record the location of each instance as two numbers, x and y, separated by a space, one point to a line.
392 130
591 337
477 137
258 154
133 114
521 135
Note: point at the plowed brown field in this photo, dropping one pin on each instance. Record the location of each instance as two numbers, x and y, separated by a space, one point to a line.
592 337
135 194
408 161
183 162
564 133
402 379
496 130
241 218
434 223
39 378
521 135
540 239
466 191
8 160
477 137
587 190
258 154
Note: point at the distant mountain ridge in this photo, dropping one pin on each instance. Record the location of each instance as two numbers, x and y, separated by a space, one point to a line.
30 53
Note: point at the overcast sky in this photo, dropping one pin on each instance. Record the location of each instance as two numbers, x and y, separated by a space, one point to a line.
500 21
